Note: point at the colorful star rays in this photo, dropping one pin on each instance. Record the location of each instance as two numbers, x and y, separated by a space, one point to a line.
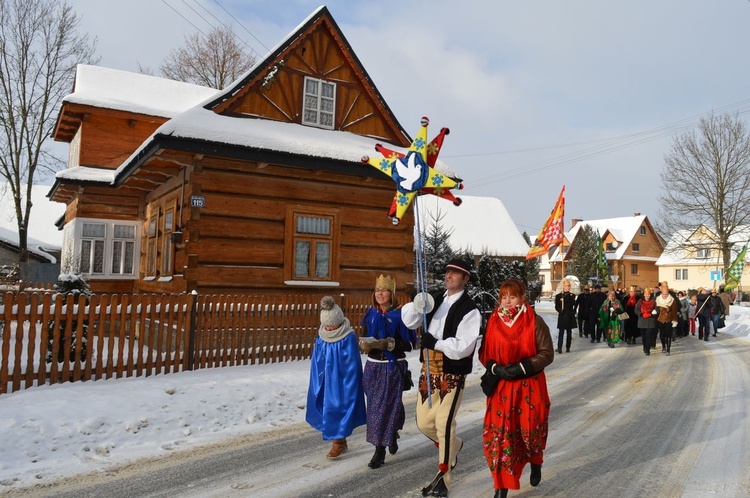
414 171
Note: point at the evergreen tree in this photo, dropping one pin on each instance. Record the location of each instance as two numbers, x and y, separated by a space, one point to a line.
437 252
533 281
77 285
583 254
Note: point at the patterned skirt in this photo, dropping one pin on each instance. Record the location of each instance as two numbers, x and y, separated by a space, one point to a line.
516 424
383 385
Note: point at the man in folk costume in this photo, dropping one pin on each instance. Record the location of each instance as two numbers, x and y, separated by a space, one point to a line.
449 341
667 315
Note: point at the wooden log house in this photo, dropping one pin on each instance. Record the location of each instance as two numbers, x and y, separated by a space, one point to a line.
257 188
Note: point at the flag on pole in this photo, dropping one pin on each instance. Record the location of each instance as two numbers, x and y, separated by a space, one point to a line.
552 231
601 259
734 272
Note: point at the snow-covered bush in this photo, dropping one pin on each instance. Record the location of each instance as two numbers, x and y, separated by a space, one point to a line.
75 284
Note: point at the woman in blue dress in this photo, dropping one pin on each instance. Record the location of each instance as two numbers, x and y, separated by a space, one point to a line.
385 341
335 400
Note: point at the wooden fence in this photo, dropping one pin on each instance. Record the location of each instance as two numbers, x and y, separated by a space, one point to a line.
50 338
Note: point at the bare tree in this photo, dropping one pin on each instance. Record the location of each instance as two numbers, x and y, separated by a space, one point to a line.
39 50
706 181
214 60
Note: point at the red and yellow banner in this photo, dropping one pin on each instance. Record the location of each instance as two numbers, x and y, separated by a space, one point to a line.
552 231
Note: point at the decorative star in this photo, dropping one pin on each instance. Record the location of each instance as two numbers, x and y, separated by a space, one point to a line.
414 172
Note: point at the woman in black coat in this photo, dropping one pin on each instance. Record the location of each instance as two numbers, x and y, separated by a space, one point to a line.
631 324
565 305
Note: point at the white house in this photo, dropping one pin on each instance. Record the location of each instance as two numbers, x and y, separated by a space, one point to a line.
691 259
480 225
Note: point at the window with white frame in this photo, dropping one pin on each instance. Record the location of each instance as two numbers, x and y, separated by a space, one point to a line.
101 248
123 250
681 274
703 253
319 103
93 238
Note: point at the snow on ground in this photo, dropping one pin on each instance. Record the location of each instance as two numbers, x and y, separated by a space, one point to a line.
53 431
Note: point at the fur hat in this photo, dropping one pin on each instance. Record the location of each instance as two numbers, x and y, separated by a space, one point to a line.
330 313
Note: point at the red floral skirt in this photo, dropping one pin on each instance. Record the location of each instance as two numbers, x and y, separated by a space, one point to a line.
516 424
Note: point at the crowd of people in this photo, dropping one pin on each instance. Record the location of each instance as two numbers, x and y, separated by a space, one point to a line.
517 347
647 313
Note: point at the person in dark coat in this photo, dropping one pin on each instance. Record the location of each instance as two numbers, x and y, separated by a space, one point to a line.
631 324
582 307
717 310
565 305
646 311
595 301
704 314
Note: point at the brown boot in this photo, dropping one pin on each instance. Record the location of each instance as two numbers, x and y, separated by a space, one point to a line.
339 446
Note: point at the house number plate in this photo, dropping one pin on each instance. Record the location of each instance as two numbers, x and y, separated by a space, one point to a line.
197 201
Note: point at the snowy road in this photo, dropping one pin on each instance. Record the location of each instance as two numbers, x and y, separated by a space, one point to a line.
622 424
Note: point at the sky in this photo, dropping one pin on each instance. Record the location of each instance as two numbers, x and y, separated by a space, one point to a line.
45 436
537 95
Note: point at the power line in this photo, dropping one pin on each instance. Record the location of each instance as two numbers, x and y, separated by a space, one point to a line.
242 25
186 19
228 28
609 145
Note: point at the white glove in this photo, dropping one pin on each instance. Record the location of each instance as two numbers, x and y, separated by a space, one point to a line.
423 302
674 324
653 312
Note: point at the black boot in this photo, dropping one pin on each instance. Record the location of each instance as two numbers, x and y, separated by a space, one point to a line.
393 447
536 475
427 490
378 458
501 493
440 489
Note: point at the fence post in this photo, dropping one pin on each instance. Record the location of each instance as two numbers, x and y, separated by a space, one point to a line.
193 321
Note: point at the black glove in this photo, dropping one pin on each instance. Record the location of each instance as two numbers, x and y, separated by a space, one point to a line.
511 372
489 379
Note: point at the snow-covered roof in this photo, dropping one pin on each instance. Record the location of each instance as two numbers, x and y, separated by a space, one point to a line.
481 225
622 229
675 253
134 92
43 235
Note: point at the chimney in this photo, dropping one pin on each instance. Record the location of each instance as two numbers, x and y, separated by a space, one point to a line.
573 221
636 214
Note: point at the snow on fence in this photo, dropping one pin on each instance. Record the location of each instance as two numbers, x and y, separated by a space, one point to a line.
47 338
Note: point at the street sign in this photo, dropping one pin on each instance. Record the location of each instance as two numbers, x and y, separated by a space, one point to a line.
197 201
715 274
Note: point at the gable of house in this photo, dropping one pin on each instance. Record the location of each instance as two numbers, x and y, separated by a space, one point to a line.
313 77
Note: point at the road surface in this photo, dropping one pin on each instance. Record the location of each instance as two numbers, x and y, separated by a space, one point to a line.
622 425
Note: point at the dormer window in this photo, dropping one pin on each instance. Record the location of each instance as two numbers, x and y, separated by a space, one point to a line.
319 103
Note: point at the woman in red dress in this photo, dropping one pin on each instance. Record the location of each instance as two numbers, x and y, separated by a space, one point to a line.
517 346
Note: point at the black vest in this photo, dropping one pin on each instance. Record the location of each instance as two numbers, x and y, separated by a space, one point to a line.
456 313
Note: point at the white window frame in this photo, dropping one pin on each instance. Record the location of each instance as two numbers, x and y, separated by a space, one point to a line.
681 274
74 232
315 105
703 253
